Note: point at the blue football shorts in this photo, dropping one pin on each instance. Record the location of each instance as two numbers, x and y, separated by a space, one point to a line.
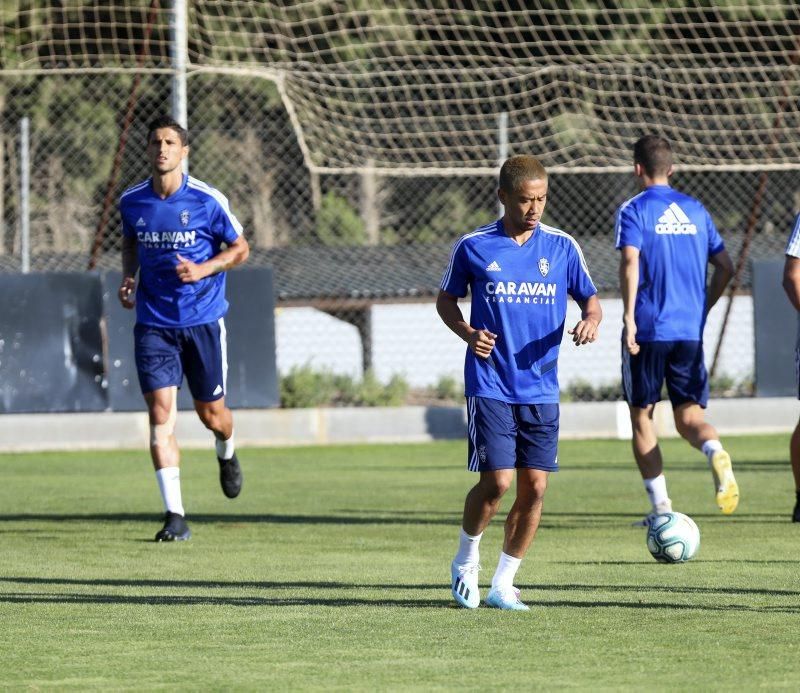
165 354
680 363
797 361
511 436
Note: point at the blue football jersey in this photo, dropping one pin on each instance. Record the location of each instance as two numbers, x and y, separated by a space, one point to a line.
675 237
519 292
193 222
793 244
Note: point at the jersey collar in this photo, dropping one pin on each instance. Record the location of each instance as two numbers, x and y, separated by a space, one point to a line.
502 230
184 183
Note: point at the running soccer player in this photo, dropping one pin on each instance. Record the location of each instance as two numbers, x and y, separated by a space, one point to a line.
519 272
791 284
667 239
174 228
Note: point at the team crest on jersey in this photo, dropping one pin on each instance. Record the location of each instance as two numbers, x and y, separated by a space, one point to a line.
185 217
544 266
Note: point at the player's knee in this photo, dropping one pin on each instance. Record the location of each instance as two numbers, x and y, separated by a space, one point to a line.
539 487
161 433
687 422
493 489
213 418
682 426
532 492
641 417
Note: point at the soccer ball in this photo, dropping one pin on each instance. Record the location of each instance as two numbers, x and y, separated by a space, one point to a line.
673 537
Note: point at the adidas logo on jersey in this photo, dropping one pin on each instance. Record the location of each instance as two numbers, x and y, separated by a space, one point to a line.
675 222
141 222
493 267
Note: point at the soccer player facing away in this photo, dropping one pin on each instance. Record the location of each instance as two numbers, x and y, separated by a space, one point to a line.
519 272
174 228
791 284
666 240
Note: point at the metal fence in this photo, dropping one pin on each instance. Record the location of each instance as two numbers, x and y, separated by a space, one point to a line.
357 257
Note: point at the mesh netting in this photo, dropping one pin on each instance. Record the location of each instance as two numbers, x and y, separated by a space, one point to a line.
356 142
421 86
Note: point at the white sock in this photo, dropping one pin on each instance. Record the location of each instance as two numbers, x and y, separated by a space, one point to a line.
710 447
657 493
506 570
468 549
225 448
169 483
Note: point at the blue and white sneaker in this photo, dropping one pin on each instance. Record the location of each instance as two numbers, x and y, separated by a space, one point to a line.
505 598
464 584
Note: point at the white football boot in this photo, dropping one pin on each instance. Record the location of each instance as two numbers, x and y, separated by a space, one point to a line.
464 584
506 599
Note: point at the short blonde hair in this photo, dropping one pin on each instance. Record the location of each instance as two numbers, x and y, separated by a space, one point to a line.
516 170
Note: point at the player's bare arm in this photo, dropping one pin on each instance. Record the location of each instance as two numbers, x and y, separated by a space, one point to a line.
481 342
791 280
235 254
585 331
629 286
130 265
723 273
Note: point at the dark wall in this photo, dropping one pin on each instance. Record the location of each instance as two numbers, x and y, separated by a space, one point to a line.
51 351
775 327
66 344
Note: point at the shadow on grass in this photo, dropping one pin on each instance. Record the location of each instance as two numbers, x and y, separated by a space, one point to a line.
695 561
340 601
348 602
679 589
184 600
215 584
697 464
552 520
335 585
266 518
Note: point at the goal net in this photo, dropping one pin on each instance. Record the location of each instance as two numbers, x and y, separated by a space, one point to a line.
438 86
356 139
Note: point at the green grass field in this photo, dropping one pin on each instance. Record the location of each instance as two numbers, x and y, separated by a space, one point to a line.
331 572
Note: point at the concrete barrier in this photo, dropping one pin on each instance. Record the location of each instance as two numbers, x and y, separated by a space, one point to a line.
289 427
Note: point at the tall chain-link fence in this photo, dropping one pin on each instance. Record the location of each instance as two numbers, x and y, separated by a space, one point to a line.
357 257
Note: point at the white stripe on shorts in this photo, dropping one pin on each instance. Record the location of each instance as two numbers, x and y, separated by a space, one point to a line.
223 349
472 463
626 373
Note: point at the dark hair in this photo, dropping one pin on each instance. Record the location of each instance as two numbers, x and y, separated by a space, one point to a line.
516 170
654 154
166 121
